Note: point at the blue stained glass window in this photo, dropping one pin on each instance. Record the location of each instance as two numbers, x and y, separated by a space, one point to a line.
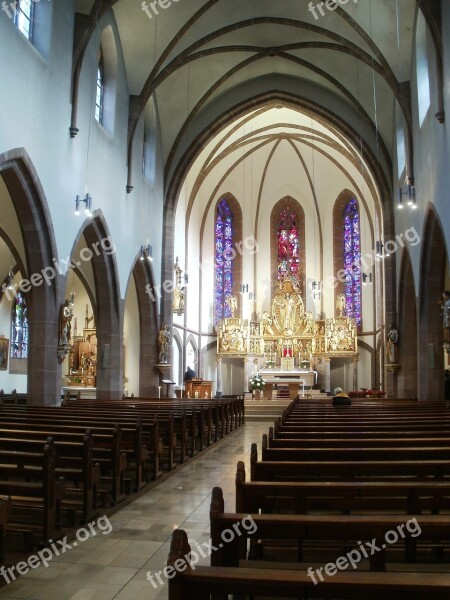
352 261
224 260
19 328
288 244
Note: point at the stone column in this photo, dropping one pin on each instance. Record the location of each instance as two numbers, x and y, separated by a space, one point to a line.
327 374
355 374
219 377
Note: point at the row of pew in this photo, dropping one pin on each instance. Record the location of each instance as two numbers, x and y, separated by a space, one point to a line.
61 466
327 482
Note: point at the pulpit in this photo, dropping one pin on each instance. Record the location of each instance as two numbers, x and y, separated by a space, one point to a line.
197 388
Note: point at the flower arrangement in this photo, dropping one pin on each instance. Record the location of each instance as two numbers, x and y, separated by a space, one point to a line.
257 383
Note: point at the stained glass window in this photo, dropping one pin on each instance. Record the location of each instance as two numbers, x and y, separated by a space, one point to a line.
352 261
223 286
19 328
288 244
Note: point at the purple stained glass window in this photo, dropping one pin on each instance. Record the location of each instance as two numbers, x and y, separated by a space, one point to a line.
19 328
224 260
352 261
288 244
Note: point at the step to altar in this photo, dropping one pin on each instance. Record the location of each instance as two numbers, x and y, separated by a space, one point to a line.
271 410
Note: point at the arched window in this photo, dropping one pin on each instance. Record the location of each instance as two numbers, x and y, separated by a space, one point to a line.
23 17
422 71
352 260
100 91
224 259
288 244
19 328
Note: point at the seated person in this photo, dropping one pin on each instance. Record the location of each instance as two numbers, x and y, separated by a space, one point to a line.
339 398
190 374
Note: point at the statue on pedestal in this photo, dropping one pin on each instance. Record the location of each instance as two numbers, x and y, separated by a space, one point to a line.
163 343
392 344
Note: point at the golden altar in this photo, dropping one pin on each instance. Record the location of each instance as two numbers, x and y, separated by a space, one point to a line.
288 334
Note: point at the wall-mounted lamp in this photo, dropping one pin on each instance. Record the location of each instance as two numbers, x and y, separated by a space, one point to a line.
410 192
10 279
367 278
147 250
380 251
88 204
315 286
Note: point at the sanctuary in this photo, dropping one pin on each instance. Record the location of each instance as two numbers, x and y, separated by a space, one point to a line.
287 345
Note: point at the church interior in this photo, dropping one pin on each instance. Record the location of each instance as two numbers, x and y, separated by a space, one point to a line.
218 217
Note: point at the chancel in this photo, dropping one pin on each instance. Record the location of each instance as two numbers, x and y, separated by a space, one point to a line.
213 213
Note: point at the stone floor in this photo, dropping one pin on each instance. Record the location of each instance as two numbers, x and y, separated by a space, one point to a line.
114 565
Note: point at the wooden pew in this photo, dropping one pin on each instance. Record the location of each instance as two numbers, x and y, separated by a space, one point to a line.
5 509
75 463
347 530
275 470
42 496
410 497
186 583
138 439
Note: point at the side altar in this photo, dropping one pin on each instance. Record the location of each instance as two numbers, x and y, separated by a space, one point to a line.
287 342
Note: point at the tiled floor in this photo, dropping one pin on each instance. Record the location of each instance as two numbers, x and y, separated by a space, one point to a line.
115 565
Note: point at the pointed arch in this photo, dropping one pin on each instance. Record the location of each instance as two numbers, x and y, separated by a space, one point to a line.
144 280
109 318
434 260
30 205
407 378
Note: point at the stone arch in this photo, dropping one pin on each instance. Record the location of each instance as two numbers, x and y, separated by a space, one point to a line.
144 281
190 340
109 317
432 280
30 204
179 348
407 327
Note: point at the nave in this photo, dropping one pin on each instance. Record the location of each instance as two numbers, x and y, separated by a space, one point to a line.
114 566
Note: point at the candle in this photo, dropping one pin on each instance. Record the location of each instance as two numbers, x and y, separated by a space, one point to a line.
159 392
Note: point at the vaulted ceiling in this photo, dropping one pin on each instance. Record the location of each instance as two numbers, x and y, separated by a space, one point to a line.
196 51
